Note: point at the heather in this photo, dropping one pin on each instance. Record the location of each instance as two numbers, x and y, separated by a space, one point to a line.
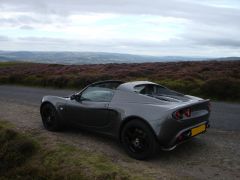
218 80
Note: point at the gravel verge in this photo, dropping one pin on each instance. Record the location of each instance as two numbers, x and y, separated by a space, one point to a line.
214 154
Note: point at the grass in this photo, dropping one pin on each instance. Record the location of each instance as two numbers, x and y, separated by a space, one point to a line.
12 63
15 149
23 156
6 64
218 80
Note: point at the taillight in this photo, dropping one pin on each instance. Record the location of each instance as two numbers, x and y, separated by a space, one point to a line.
187 112
180 114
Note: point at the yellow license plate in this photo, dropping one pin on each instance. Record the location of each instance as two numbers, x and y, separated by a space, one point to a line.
198 130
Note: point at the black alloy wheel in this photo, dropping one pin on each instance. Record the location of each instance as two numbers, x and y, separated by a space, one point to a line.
138 140
50 117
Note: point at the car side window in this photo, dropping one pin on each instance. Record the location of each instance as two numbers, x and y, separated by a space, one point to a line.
97 94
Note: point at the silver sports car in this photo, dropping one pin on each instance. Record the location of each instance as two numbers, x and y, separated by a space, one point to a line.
142 115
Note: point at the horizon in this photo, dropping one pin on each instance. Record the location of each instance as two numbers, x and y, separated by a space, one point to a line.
156 28
130 54
105 52
66 51
60 57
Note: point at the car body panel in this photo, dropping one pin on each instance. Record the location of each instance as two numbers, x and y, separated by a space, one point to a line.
109 117
90 114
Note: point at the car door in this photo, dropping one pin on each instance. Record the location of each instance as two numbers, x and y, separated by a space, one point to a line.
91 107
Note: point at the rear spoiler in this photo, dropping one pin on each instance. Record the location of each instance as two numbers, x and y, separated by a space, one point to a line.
204 102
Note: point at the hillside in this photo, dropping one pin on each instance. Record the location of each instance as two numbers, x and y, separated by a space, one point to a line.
86 57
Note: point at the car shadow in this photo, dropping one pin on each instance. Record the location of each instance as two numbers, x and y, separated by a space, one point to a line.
188 149
105 141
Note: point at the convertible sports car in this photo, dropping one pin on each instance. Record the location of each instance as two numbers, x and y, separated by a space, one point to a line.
142 115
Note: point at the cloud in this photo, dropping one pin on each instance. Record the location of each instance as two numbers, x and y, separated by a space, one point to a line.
186 27
26 27
4 38
171 8
215 42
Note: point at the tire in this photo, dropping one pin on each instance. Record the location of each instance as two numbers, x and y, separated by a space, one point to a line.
50 118
138 140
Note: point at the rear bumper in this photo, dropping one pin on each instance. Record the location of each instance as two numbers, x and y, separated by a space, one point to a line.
184 135
174 132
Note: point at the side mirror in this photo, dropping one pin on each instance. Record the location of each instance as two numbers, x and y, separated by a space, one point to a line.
75 97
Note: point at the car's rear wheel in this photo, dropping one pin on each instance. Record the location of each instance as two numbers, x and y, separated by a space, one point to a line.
50 118
138 140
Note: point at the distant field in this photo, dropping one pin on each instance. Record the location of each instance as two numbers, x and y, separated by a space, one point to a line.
218 80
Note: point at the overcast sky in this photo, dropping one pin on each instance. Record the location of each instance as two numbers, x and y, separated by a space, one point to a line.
151 27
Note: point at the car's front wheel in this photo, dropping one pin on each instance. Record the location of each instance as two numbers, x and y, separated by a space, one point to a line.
138 140
50 117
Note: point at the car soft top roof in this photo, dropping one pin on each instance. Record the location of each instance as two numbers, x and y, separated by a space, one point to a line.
125 86
129 86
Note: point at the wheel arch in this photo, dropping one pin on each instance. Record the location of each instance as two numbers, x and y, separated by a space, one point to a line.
131 118
45 102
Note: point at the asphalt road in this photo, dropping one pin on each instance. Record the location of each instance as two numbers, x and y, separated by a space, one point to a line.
224 116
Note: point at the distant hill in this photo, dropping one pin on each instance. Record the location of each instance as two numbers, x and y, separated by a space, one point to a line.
228 59
91 57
